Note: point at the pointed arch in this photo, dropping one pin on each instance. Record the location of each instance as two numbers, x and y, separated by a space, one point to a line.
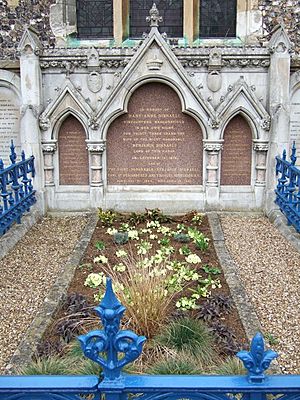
72 152
159 144
236 156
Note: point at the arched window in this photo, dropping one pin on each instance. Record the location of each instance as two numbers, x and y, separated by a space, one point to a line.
170 10
218 18
94 19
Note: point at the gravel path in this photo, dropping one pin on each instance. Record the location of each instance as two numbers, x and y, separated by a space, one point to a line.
28 272
269 268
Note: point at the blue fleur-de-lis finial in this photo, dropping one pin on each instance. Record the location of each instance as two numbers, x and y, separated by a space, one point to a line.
257 360
111 341
293 156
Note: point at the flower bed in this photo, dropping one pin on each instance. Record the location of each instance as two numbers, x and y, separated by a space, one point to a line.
166 273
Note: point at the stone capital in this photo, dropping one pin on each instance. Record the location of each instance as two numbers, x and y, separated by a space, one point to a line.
261 146
49 147
97 147
213 146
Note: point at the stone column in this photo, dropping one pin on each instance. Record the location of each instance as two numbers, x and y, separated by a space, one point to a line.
279 107
121 20
48 150
261 149
96 150
191 20
31 87
212 149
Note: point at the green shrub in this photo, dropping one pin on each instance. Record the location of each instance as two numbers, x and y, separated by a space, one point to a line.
182 238
232 366
86 367
188 335
121 238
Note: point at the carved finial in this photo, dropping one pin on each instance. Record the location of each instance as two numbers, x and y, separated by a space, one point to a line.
154 18
111 340
257 360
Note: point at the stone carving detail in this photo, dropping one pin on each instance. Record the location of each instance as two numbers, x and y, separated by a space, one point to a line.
154 18
34 109
215 60
213 146
228 62
93 58
266 123
261 146
59 63
194 62
94 82
214 123
49 147
96 147
214 81
44 123
154 64
93 123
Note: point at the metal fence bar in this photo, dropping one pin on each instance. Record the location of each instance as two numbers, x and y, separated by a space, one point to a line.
113 349
288 188
16 191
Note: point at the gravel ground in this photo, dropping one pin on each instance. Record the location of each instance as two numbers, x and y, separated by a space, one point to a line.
28 272
269 267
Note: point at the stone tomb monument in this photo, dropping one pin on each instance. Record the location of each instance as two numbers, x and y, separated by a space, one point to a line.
154 143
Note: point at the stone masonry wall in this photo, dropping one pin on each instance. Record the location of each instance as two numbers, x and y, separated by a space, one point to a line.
36 13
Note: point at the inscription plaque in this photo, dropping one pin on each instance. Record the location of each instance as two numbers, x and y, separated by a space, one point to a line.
154 143
295 123
9 123
236 153
73 155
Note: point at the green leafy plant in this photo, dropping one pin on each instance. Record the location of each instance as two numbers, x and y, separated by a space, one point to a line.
200 240
164 241
211 269
136 218
197 218
100 245
107 217
185 250
121 238
188 335
271 339
157 215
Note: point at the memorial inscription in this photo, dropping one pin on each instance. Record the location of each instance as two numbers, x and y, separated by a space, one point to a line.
73 155
154 143
295 123
236 153
9 122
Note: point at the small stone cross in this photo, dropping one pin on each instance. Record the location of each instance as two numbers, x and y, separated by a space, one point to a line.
154 18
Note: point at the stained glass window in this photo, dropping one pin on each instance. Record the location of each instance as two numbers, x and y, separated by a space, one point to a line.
217 18
170 10
94 19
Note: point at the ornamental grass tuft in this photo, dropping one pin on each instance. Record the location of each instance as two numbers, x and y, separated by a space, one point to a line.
232 366
52 365
181 364
190 336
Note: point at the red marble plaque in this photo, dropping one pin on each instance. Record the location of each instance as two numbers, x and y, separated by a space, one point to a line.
154 143
236 153
73 155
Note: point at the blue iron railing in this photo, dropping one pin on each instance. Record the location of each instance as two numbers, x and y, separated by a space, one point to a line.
113 348
16 190
288 188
